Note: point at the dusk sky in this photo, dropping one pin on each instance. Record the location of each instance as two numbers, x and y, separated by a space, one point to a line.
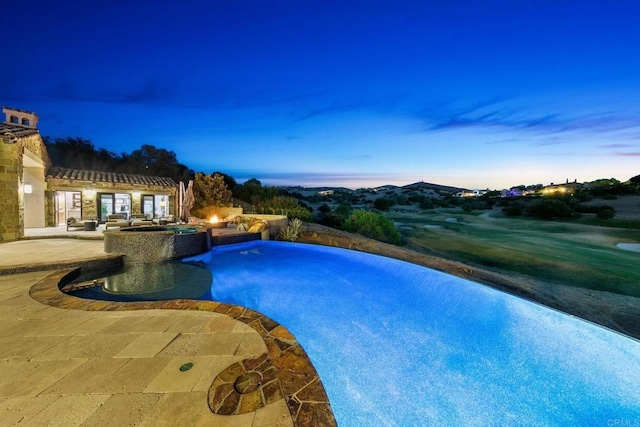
474 93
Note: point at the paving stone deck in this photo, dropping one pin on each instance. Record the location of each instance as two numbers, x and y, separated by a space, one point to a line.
70 361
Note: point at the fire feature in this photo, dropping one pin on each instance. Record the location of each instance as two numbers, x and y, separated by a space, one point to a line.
216 223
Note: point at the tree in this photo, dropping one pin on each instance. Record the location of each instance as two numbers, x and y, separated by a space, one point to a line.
149 160
210 191
228 179
250 191
79 153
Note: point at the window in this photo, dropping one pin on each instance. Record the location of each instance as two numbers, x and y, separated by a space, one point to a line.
25 122
148 205
14 119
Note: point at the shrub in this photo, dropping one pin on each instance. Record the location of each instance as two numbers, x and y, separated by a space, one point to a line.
373 225
474 204
426 203
514 209
324 209
300 213
383 203
606 213
293 231
551 208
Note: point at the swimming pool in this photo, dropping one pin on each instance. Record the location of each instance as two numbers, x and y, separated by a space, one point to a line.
397 344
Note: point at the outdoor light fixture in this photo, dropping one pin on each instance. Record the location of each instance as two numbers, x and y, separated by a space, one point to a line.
90 192
136 194
27 188
9 138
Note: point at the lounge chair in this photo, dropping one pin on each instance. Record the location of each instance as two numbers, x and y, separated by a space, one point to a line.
81 224
73 223
116 220
169 219
140 219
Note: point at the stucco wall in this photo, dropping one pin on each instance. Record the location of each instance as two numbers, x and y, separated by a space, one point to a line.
34 203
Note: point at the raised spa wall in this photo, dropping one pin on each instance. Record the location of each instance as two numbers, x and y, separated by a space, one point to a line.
157 245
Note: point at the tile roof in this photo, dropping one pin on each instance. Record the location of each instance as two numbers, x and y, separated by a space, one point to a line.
109 177
17 130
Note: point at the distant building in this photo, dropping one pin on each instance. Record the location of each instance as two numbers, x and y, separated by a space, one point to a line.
567 188
521 192
471 193
325 192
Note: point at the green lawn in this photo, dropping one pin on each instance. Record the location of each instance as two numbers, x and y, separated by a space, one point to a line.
575 253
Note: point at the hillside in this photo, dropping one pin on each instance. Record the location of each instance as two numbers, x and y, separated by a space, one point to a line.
435 187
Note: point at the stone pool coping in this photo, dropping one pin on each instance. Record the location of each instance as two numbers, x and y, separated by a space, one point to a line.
287 371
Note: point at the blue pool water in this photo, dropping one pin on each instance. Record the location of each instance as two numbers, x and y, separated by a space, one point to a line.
396 344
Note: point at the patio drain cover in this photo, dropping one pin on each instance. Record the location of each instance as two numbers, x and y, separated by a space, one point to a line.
186 366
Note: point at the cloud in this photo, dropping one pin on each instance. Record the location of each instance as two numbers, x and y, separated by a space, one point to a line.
615 146
494 113
151 91
636 154
505 141
148 92
490 113
553 141
334 107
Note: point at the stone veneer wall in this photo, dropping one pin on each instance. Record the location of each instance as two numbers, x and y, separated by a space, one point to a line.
11 169
90 204
50 219
11 220
155 246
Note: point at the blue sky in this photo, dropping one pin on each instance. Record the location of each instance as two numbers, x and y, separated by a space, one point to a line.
475 93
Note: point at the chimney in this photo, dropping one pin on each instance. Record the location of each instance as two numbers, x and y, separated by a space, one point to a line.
14 116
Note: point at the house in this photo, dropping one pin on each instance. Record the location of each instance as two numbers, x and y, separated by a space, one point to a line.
568 188
36 195
94 194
